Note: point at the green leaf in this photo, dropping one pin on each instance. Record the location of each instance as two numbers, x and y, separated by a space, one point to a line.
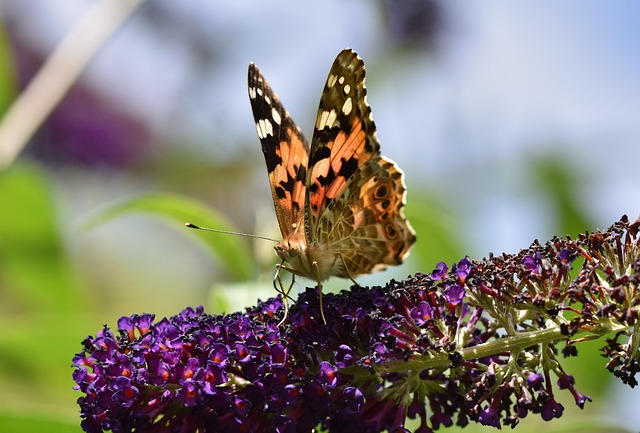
178 210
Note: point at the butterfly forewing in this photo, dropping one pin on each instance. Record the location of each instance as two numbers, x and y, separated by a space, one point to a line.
285 150
344 135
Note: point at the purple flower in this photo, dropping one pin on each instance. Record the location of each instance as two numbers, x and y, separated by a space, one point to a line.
551 409
344 356
432 347
353 399
566 381
462 269
531 264
125 393
454 294
422 313
535 381
490 417
328 374
440 272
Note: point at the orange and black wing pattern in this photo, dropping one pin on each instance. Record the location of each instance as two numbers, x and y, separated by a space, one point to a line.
355 196
285 150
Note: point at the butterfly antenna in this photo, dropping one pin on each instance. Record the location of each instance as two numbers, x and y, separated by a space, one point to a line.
193 226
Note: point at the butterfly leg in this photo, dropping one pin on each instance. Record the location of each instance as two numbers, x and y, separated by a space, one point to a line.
315 266
349 273
277 284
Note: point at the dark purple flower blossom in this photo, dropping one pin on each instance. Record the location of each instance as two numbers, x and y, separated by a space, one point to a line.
328 374
422 313
433 348
535 381
454 294
551 409
490 416
125 393
353 399
530 263
440 272
462 269
344 356
565 381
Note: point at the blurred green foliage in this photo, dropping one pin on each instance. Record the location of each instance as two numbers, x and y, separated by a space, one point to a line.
40 302
559 181
229 250
438 237
7 73
32 255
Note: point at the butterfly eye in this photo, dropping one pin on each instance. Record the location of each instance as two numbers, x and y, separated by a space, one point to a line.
294 250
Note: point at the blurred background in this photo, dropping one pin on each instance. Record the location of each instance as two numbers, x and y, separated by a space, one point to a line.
512 121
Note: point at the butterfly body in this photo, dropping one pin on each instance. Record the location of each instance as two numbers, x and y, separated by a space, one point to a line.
339 202
315 261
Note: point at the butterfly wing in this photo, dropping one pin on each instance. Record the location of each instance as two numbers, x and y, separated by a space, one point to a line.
367 227
285 150
344 135
355 196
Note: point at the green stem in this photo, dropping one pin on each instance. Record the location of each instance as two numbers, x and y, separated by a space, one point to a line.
517 342
512 343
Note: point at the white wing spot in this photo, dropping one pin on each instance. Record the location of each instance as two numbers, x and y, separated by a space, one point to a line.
347 89
341 80
267 99
326 119
276 116
259 91
346 108
264 128
331 80
252 92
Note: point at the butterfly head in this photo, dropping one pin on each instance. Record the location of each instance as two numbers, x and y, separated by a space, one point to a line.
295 252
291 247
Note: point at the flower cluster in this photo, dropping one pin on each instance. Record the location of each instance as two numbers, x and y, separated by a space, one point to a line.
474 343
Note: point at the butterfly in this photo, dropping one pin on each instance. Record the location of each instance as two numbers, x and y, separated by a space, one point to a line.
339 202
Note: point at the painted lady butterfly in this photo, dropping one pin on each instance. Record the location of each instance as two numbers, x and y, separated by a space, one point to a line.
339 203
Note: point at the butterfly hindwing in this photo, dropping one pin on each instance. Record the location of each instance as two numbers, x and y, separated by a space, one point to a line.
366 226
285 150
